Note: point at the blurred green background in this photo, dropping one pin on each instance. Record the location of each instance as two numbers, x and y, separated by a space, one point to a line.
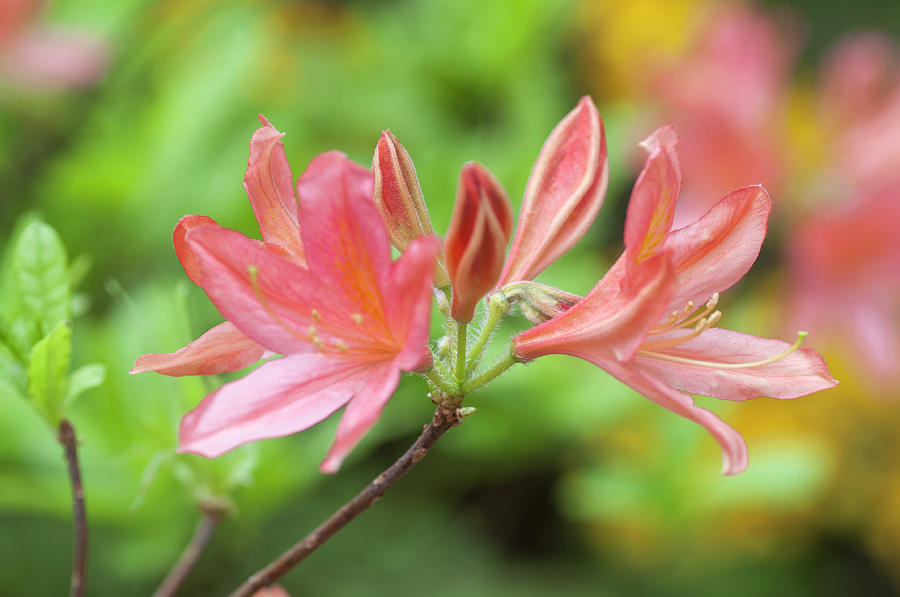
565 482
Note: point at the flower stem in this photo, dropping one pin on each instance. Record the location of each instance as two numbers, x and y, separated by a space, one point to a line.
436 377
66 436
445 418
497 308
202 536
492 372
461 327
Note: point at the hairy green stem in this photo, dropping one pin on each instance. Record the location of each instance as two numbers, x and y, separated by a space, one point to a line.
490 373
461 327
497 308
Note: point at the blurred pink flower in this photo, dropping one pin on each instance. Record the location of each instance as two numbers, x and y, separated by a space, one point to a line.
726 99
640 324
845 279
35 56
860 96
844 255
348 319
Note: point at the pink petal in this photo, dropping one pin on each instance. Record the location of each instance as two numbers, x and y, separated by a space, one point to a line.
280 398
345 240
269 185
652 204
362 413
611 321
564 193
798 374
714 252
222 349
282 305
183 251
734 449
408 297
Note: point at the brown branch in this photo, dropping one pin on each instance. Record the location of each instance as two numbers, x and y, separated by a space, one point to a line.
66 437
444 419
202 536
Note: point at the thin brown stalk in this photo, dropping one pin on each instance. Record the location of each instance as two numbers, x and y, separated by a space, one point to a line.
206 527
444 419
67 438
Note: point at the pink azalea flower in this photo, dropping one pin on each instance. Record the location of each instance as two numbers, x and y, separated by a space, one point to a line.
844 262
642 324
725 98
39 57
844 255
327 296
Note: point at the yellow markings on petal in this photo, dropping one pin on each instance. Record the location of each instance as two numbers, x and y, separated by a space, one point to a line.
253 272
698 363
341 345
658 227
357 318
316 315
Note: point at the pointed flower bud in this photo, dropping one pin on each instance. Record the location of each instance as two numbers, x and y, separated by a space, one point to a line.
539 302
398 197
564 193
477 237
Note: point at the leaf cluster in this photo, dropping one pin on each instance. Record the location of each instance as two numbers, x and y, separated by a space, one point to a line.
36 291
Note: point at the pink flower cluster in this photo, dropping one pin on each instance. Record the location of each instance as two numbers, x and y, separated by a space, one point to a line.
320 288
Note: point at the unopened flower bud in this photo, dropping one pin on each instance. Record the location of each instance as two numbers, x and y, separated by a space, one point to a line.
563 195
476 240
398 197
538 302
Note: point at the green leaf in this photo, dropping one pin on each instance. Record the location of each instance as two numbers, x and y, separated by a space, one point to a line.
12 374
84 378
11 307
39 261
48 367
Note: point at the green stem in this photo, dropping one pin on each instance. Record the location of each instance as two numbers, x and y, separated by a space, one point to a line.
439 381
492 372
497 308
461 327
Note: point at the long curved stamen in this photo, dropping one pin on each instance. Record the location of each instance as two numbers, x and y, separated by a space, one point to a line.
686 361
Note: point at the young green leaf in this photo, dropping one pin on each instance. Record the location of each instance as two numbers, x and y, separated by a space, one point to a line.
84 378
48 368
39 261
11 307
12 374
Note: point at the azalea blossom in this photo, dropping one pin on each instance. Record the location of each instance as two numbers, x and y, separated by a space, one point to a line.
727 97
326 295
844 253
651 320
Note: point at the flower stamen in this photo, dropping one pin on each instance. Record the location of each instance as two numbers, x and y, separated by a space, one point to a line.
679 320
702 325
686 361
